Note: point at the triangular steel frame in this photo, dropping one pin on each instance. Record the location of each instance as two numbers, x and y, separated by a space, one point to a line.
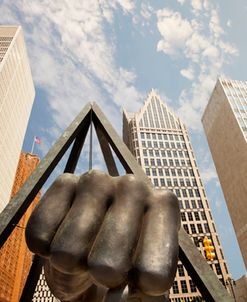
197 267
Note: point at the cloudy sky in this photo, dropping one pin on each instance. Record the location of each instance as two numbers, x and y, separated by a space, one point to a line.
114 52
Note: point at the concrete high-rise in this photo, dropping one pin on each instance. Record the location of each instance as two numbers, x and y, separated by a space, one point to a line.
225 125
16 100
15 258
160 142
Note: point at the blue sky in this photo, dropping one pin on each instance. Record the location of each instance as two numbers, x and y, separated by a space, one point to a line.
114 52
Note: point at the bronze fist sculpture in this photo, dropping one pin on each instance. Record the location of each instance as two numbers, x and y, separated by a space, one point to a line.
98 231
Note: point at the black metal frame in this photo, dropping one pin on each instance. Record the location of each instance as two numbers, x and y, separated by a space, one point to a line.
197 267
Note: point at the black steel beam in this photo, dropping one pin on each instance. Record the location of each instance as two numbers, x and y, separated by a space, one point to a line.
106 151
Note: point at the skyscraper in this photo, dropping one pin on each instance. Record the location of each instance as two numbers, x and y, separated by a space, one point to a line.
16 99
160 142
225 125
15 258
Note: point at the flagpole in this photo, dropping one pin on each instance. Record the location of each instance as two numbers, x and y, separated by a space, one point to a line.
33 145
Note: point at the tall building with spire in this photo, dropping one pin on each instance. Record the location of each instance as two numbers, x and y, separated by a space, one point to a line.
16 100
15 258
160 142
225 125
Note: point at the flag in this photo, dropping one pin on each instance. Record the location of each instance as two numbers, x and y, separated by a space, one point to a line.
37 140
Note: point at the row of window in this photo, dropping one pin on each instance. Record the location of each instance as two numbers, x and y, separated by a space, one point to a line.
191 204
166 163
196 228
183 286
190 216
160 136
170 172
163 153
161 144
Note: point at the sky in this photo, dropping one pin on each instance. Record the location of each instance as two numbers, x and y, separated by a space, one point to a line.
114 52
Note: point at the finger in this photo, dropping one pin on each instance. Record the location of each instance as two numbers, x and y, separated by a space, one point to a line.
157 252
111 256
75 236
49 213
66 287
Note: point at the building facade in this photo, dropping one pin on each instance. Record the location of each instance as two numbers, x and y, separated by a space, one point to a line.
161 145
16 100
15 258
225 125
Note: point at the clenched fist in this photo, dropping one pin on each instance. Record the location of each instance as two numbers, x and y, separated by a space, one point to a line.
105 231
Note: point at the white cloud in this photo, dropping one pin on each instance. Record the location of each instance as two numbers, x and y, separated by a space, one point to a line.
188 73
200 43
72 57
174 29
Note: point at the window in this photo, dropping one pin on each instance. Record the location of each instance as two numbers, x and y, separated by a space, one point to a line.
151 153
178 170
188 163
191 172
159 136
142 135
192 286
218 270
152 163
196 241
190 217
185 173
177 192
154 172
177 163
175 182
149 144
157 154
173 172
187 205
169 154
170 162
167 145
197 193
180 270
174 153
173 146
187 182
182 162
145 161
155 144
181 182
184 286
176 137
197 217
158 162
178 145
183 218
203 215
175 287
163 153
161 144
186 228
167 172
184 192
153 135
191 195
199 202
164 162
160 172
165 136
156 183
169 182
147 171
206 228
162 182
193 228
180 153
143 144
148 135
199 226
180 204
